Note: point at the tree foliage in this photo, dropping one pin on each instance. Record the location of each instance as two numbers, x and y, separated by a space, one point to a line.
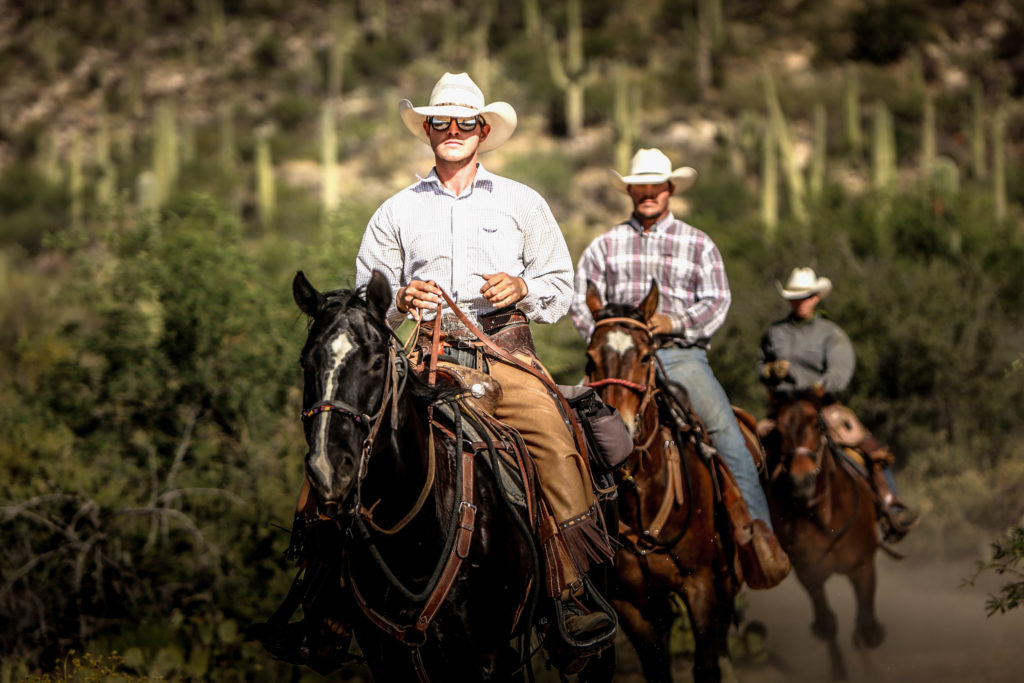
147 444
148 384
1007 561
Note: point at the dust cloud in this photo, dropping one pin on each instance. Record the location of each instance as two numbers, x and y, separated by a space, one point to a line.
937 629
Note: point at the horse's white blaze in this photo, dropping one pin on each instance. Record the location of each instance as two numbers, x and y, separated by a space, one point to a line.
340 347
619 341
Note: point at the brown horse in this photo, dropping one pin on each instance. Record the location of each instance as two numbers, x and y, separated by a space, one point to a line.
669 517
824 515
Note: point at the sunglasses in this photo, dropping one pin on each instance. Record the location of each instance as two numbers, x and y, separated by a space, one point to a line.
443 123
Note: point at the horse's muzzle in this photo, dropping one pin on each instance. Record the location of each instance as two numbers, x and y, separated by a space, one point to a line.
330 482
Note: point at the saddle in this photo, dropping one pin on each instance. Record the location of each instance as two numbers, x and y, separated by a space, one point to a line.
847 432
758 558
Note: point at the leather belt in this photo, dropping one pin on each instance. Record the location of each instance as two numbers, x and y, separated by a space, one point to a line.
490 323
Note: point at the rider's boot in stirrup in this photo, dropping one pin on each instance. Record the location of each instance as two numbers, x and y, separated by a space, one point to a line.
895 517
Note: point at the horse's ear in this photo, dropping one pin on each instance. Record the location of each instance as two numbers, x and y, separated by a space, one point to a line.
649 306
378 294
306 295
593 298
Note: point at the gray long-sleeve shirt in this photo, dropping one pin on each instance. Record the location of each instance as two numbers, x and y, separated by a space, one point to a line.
818 351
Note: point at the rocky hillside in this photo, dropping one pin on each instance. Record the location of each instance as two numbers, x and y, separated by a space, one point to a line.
84 84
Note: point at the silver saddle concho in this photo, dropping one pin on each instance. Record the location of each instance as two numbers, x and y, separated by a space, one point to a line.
481 392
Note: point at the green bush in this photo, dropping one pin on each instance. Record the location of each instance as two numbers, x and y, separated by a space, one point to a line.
157 414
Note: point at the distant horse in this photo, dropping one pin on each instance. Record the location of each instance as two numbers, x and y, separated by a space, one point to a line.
824 516
439 565
672 528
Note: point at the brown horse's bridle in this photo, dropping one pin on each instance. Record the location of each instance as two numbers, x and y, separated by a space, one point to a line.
646 391
818 457
642 542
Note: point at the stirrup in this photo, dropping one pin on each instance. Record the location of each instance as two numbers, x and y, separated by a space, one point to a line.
597 642
892 529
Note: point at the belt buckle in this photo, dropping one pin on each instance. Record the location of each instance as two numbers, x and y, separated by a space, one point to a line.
450 323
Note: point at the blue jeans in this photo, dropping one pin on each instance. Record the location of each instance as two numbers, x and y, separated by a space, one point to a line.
690 368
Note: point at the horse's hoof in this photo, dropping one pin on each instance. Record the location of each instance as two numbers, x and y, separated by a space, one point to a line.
824 628
869 638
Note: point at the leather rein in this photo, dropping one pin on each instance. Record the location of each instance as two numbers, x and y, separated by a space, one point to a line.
463 520
462 524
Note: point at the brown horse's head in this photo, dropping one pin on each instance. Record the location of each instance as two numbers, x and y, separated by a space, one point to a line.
620 355
800 448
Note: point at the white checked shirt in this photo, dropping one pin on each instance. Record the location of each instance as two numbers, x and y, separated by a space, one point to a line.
682 259
425 232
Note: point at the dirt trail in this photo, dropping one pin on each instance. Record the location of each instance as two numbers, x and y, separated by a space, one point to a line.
936 630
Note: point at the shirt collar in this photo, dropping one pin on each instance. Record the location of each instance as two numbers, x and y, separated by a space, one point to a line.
660 226
484 179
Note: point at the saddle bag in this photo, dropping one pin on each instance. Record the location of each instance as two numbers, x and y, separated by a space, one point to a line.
608 440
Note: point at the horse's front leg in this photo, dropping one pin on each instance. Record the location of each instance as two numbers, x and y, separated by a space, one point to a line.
701 599
869 632
824 625
600 668
648 631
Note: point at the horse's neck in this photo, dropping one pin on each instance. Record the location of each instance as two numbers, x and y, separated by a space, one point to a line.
400 470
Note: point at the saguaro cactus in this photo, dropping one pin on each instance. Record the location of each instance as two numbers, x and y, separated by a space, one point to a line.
479 38
819 150
106 183
329 157
165 152
76 182
793 175
884 149
572 75
531 18
769 184
851 103
265 178
978 163
226 153
344 35
928 138
624 115
999 162
884 166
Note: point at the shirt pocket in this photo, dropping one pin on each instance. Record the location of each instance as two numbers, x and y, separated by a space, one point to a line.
494 244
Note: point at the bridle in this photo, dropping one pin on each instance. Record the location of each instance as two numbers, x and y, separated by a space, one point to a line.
646 391
821 502
642 542
394 385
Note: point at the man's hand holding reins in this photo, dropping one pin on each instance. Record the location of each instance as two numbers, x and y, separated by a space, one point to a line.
418 294
501 289
659 323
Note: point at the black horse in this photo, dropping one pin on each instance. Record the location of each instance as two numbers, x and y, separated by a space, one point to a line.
439 567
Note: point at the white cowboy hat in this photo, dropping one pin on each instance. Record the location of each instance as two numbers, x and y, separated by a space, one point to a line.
651 167
458 96
802 283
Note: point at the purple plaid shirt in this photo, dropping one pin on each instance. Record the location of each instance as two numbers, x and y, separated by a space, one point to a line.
683 260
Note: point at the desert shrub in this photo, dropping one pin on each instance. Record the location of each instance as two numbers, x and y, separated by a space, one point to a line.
149 441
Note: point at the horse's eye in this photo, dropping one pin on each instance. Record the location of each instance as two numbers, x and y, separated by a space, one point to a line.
647 358
378 363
